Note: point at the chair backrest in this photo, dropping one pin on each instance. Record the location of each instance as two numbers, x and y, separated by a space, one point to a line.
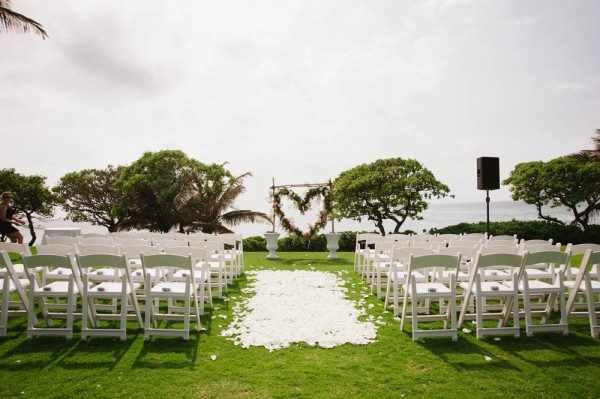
514 260
134 251
448 262
540 247
474 236
503 237
464 243
198 237
63 240
580 249
402 254
96 241
535 242
16 248
551 257
199 253
98 249
499 249
448 237
167 243
95 235
126 234
56 249
467 253
168 260
132 241
422 244
33 262
494 243
101 260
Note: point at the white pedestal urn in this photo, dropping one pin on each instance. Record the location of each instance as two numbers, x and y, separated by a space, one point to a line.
272 244
333 244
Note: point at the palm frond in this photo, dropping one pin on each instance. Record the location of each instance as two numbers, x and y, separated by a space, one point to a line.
13 21
236 217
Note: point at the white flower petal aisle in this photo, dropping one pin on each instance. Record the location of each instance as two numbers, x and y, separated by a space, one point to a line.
297 306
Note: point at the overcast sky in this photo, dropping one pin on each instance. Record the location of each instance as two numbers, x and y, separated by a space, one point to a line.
302 90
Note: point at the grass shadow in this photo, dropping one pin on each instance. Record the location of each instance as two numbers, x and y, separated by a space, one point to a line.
163 353
465 355
97 352
38 353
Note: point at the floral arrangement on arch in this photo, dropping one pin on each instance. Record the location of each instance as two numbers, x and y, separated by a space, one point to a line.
303 204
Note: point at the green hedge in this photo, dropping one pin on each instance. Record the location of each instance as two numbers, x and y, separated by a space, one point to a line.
523 229
529 230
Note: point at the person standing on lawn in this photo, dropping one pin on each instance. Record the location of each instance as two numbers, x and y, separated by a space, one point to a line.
7 219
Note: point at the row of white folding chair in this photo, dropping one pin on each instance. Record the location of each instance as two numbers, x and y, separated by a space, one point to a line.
184 286
501 275
132 253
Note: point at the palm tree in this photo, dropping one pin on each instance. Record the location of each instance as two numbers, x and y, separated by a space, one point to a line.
12 21
592 155
213 213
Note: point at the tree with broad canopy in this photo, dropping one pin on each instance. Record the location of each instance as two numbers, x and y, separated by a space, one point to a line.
388 189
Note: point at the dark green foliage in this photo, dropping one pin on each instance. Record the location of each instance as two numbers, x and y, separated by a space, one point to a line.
295 243
528 230
255 244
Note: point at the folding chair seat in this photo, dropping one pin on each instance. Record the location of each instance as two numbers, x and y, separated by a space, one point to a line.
419 291
170 290
11 284
483 289
397 275
121 288
202 271
587 286
57 290
547 292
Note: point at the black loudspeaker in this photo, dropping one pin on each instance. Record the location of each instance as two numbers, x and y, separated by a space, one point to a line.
488 173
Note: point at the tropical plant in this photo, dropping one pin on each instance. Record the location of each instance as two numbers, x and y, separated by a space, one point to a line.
32 197
571 181
214 212
393 189
13 21
90 196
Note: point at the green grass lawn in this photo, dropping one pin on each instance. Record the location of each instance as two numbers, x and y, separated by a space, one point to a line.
546 365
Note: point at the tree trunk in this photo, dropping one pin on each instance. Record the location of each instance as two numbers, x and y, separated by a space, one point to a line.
31 229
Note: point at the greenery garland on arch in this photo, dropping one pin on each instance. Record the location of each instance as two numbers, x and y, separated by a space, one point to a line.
303 204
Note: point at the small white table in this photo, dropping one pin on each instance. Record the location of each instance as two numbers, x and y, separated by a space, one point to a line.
61 232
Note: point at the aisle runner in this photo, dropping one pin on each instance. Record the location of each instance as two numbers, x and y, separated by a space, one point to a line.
297 306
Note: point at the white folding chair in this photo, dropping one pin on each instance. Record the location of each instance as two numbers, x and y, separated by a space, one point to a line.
62 240
57 249
216 265
482 289
171 290
202 270
56 290
11 284
120 289
397 275
425 291
547 292
17 249
586 285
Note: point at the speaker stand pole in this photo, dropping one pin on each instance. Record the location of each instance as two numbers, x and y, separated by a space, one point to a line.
487 201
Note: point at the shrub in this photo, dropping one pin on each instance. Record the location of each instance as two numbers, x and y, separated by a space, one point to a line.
528 230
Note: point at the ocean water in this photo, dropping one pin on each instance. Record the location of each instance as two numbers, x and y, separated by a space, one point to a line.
438 215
